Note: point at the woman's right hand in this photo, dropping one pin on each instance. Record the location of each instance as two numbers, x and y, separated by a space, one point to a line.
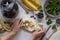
37 33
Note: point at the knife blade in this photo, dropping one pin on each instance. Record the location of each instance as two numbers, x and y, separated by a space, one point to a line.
45 33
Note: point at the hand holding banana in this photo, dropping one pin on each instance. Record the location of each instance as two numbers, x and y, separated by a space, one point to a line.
32 4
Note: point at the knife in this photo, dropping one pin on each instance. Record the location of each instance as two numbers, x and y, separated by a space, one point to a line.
45 33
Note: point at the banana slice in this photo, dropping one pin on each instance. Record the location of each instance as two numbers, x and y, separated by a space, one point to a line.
35 27
28 24
40 24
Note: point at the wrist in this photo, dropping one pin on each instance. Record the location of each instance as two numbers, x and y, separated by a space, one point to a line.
13 32
33 38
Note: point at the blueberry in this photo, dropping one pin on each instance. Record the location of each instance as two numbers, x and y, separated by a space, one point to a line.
40 15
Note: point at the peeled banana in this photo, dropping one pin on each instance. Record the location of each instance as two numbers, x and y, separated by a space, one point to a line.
36 2
30 5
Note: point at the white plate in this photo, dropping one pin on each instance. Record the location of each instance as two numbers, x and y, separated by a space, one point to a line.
55 36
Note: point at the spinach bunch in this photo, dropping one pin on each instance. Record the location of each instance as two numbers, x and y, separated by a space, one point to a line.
53 7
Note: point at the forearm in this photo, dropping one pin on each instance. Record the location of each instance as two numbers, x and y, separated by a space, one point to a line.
8 36
33 38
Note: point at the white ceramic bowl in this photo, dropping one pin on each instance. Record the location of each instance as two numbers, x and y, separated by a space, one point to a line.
46 3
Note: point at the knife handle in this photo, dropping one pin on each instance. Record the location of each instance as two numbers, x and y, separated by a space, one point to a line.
50 35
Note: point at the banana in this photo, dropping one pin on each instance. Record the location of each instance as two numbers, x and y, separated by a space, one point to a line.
30 5
36 2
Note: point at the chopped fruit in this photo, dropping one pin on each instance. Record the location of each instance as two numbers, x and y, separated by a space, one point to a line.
35 28
40 24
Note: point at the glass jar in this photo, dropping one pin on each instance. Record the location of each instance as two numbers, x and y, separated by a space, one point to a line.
9 8
40 16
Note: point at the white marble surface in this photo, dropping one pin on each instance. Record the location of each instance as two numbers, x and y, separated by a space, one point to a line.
24 35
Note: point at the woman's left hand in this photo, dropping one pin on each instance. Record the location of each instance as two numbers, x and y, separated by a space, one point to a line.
17 24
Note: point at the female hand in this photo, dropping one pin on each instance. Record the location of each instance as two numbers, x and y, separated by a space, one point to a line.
17 24
37 33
